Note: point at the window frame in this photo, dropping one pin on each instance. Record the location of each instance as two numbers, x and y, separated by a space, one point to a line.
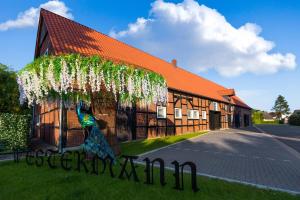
204 118
164 112
197 115
192 114
178 117
216 106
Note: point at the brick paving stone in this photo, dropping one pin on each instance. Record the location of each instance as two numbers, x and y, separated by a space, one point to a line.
240 155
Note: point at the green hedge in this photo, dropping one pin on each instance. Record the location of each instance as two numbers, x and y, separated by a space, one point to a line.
294 119
14 131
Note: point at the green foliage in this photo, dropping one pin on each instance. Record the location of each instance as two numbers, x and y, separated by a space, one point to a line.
14 131
9 93
281 107
294 119
257 116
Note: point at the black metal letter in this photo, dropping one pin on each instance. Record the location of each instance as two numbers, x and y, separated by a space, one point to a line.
193 175
132 172
38 157
65 161
150 174
51 155
29 157
176 175
104 162
80 161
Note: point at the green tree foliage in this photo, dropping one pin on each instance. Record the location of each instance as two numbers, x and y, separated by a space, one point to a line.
9 92
257 116
281 107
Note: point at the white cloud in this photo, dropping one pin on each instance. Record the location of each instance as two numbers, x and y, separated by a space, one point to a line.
29 17
200 38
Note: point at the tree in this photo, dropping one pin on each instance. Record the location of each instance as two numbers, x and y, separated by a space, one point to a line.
281 107
9 92
257 116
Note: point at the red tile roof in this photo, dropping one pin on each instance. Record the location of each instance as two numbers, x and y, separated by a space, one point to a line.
68 36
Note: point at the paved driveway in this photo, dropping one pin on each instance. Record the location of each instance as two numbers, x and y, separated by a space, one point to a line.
238 155
290 135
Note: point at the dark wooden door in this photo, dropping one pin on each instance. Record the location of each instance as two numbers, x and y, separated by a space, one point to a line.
214 120
237 121
246 120
229 121
126 123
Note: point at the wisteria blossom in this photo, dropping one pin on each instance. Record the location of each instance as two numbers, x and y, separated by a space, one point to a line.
72 77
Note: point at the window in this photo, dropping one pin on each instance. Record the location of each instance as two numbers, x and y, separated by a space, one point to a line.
204 115
190 114
178 114
193 114
196 114
225 108
216 106
232 108
161 112
38 120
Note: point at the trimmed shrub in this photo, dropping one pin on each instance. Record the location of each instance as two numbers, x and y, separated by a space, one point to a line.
294 119
14 131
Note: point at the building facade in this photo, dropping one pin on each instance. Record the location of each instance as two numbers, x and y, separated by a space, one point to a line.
194 103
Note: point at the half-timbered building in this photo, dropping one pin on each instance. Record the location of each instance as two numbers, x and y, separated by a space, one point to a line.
194 103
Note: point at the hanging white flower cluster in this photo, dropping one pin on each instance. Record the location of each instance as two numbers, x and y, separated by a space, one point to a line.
73 77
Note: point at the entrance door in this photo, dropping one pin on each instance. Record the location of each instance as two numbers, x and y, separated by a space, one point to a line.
229 121
125 124
214 120
246 120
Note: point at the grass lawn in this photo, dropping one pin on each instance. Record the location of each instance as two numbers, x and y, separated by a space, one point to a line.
141 146
20 181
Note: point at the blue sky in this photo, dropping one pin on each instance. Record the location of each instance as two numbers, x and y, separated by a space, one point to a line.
257 82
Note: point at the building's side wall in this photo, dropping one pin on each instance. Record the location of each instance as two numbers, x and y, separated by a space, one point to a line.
148 125
46 121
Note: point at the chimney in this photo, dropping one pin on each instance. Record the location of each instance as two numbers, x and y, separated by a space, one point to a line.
174 62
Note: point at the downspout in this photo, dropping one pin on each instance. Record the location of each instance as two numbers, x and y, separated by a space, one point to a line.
32 132
60 145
